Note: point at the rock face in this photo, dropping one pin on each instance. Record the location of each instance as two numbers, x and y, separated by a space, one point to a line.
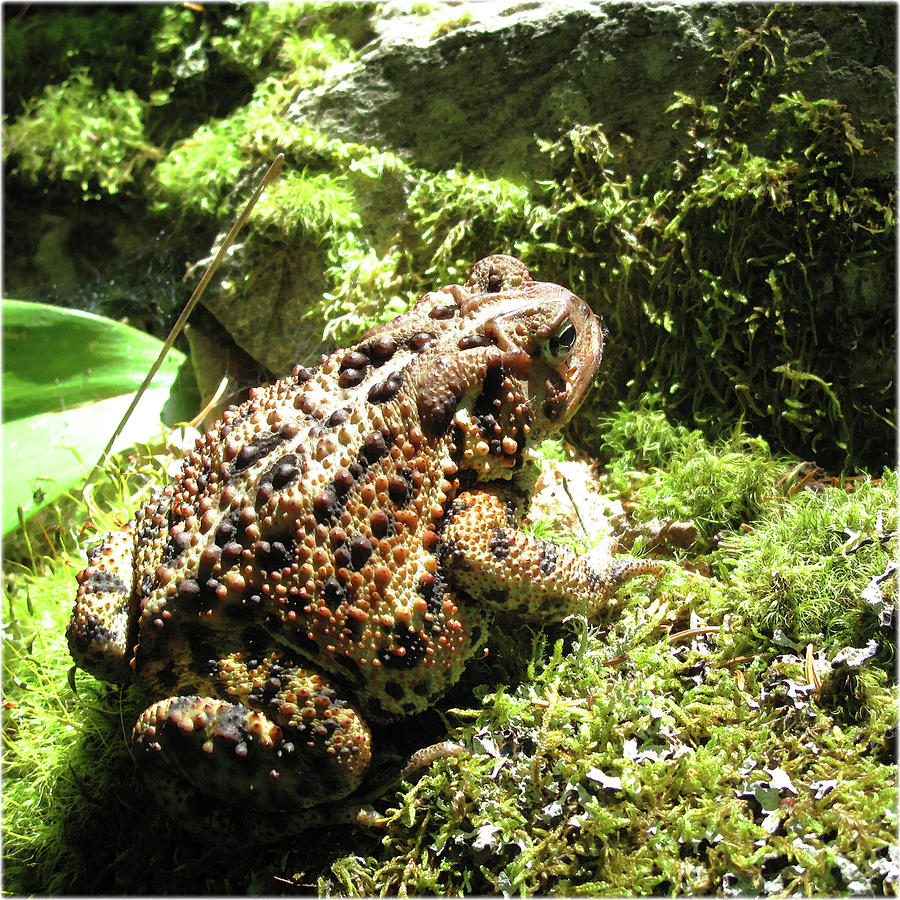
478 93
275 284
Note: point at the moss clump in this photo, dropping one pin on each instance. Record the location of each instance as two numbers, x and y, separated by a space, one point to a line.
804 566
45 47
452 25
56 752
76 133
797 551
716 486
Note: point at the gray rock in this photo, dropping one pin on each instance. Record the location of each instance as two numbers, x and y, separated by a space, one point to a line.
260 296
479 93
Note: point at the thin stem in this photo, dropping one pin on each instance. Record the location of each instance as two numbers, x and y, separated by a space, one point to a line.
272 173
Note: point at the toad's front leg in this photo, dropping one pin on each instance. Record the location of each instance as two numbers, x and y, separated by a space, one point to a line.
490 560
103 629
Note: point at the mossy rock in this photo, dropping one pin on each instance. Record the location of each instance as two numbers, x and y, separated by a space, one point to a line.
717 181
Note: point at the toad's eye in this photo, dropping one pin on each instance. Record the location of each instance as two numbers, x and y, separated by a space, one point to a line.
562 340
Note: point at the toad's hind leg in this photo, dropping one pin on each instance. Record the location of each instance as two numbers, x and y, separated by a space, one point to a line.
291 744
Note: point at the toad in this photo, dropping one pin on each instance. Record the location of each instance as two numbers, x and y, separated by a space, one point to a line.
334 550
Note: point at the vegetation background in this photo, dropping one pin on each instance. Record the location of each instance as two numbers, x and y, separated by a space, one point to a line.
736 733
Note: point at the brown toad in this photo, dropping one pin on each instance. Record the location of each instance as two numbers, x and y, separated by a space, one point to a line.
334 549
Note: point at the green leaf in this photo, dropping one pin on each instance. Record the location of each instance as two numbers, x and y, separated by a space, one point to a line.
68 377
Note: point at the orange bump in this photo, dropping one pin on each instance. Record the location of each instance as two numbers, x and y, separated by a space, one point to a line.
401 554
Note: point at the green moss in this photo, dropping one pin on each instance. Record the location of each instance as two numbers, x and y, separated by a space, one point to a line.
76 133
308 58
210 162
199 173
714 485
55 753
740 287
248 39
46 46
315 204
798 560
359 278
452 25
461 216
804 566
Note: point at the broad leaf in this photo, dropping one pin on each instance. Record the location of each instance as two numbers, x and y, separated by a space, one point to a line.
68 377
